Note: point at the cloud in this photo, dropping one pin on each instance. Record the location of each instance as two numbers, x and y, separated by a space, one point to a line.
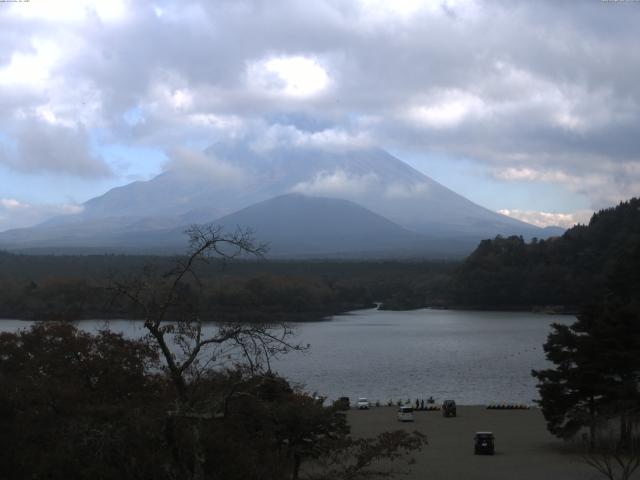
70 11
511 86
194 164
340 184
45 144
277 136
530 174
294 76
399 190
447 109
548 219
17 214
594 184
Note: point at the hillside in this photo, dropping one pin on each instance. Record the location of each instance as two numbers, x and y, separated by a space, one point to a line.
148 216
565 271
296 225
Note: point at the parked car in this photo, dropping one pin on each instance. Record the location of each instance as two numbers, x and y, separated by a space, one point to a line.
362 404
405 413
484 443
342 403
449 408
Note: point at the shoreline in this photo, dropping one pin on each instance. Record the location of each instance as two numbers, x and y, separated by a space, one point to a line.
317 317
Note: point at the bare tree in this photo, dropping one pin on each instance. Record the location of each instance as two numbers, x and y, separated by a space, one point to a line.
188 346
615 460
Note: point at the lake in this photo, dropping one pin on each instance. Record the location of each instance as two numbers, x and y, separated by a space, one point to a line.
470 356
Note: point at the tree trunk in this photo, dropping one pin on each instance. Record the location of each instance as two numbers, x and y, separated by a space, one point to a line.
296 466
199 456
625 432
592 424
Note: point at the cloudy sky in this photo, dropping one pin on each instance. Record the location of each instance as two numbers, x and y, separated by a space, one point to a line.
528 108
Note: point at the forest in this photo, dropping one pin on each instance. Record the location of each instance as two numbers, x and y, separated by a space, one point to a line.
79 287
560 273
505 273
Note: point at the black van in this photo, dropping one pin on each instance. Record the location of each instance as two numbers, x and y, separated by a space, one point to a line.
484 443
449 408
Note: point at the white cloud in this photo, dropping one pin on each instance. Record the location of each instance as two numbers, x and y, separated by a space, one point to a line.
195 164
482 81
405 10
275 136
595 184
168 94
46 145
398 190
293 76
531 174
70 10
549 219
32 69
17 214
228 123
447 109
339 183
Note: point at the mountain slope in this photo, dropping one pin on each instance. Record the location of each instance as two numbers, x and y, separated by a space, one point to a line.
295 224
232 176
370 177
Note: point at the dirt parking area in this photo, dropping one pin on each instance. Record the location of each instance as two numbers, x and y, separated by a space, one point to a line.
524 448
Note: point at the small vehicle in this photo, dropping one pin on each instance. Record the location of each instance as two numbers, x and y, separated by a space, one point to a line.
449 408
484 443
362 404
405 413
342 403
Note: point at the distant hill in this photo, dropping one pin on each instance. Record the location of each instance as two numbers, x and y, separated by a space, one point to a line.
566 271
298 225
232 176
293 225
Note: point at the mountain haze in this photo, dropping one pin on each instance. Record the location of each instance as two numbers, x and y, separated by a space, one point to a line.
295 224
372 178
232 183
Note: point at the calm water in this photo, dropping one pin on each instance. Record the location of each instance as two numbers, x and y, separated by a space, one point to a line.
472 357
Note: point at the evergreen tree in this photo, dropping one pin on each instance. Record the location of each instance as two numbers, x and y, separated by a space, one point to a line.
597 360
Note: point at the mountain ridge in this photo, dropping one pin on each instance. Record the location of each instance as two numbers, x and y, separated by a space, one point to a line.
231 176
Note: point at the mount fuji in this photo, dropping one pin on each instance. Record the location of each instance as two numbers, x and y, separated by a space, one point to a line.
337 192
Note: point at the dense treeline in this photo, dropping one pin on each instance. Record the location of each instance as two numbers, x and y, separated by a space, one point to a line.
594 385
102 407
76 287
563 272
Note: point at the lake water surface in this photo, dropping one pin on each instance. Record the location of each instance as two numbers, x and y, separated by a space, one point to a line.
472 357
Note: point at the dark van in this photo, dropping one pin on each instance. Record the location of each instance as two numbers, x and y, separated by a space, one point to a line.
448 408
483 443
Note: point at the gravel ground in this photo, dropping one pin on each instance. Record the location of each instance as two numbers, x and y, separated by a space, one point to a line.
524 448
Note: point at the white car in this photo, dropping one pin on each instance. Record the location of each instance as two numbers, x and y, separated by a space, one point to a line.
362 404
405 414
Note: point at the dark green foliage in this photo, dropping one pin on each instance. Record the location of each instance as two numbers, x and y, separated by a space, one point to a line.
597 371
99 407
597 359
75 287
565 272
571 393
74 405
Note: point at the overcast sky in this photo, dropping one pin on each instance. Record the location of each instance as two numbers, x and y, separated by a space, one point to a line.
529 108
